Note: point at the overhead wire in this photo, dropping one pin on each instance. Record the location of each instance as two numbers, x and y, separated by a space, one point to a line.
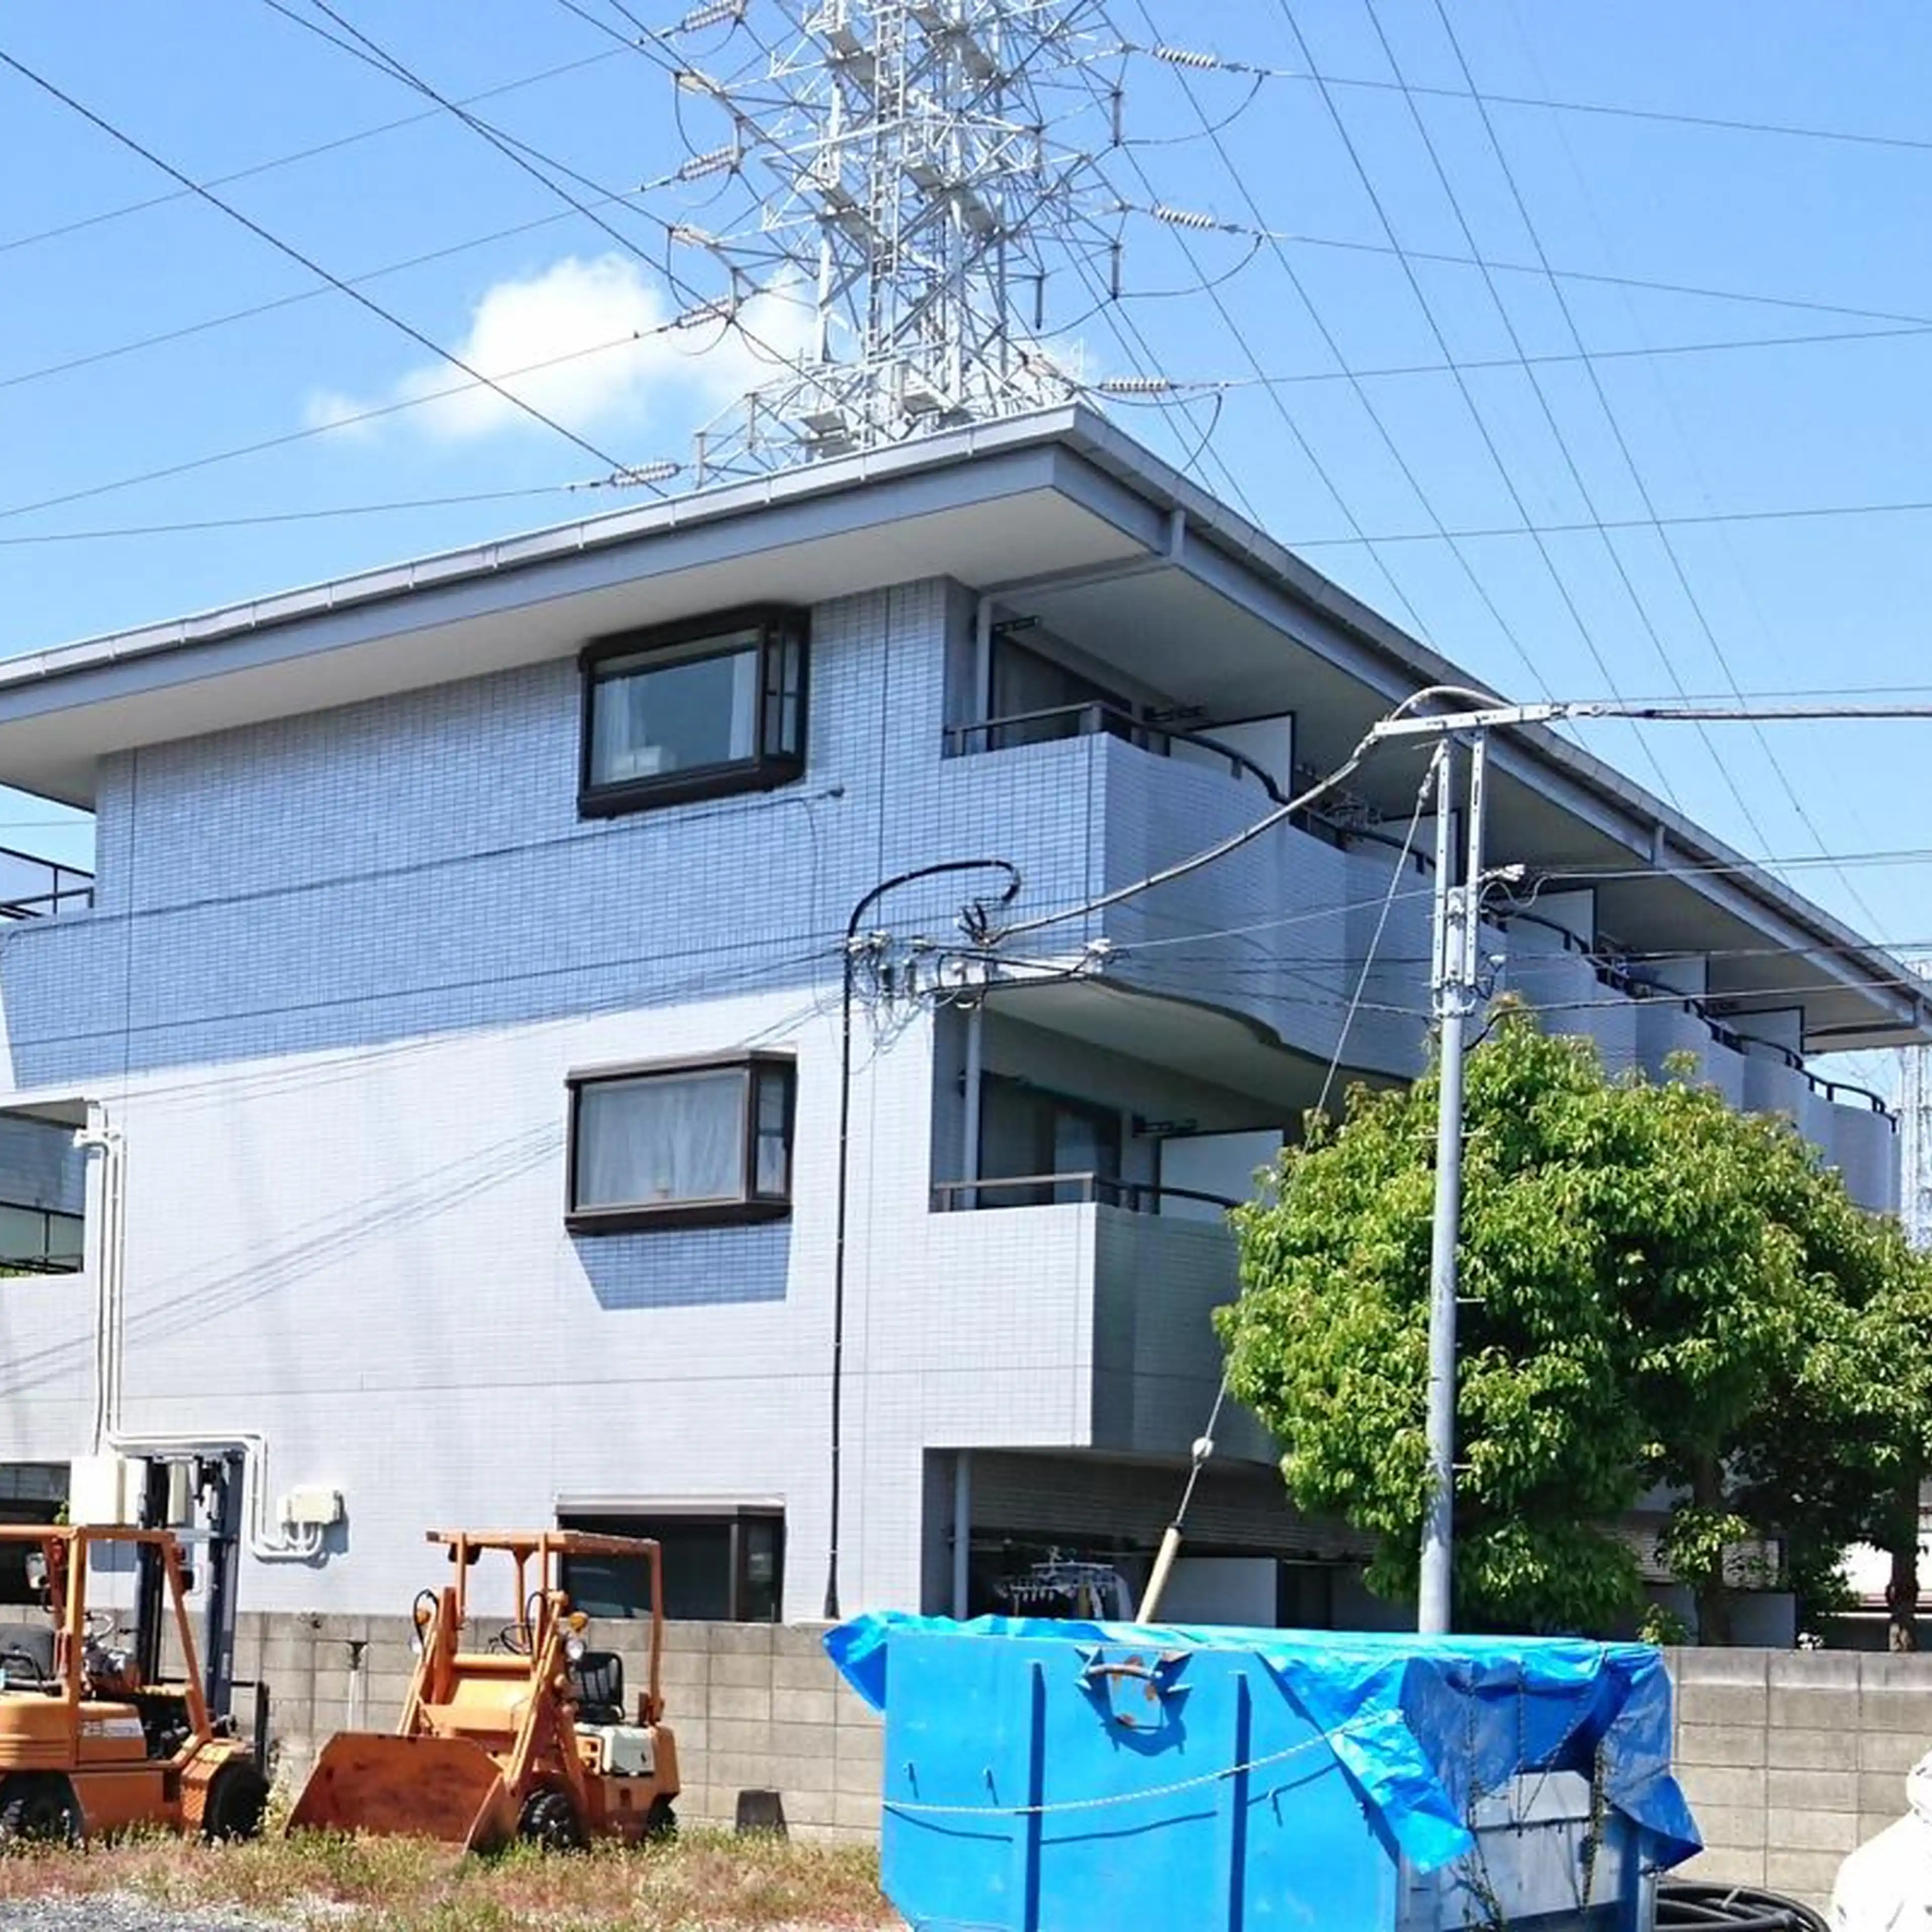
1745 579
323 513
1783 513
1638 602
1199 61
1791 131
361 300
534 161
1481 423
372 413
1343 365
1614 421
92 358
1299 437
10 243
1552 359
1915 322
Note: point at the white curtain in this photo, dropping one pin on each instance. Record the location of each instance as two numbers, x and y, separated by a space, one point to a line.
655 1142
675 717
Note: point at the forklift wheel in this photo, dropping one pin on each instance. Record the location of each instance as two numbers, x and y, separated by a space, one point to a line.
550 1821
238 1795
660 1821
39 1810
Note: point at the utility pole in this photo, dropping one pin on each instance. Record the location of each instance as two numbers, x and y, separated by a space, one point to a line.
1457 952
973 919
1454 995
1914 1211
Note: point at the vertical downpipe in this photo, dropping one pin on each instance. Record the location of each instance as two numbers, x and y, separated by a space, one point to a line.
981 708
962 1531
969 1160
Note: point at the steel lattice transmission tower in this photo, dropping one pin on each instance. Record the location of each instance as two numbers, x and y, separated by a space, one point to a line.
921 178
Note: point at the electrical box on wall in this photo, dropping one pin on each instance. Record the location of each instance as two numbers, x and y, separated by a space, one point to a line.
311 1508
103 1491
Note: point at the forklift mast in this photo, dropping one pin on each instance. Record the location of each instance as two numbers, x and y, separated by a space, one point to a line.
219 1481
216 1486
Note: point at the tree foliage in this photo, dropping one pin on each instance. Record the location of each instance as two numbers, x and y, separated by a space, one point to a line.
1659 1290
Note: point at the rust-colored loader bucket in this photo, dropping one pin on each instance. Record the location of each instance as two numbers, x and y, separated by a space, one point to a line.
425 1787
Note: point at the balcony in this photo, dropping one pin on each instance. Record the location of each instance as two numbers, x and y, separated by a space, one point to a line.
1125 1276
1086 799
32 888
1266 935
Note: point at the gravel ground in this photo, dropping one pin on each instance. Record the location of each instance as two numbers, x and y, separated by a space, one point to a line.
120 1913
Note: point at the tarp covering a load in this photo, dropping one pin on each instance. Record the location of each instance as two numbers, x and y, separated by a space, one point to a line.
422 1786
1323 1772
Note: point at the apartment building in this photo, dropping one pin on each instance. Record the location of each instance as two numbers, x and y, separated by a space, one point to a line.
438 1089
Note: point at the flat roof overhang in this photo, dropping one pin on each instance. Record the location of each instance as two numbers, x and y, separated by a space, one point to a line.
1058 515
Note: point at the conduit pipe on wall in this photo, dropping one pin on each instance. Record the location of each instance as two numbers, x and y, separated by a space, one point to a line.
303 1547
100 1136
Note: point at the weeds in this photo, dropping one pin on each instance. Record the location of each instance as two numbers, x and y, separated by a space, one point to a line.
701 1883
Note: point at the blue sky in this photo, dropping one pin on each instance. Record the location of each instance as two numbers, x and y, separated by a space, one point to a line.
1807 237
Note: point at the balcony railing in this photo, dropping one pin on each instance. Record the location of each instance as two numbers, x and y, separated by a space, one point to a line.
32 888
1145 734
1088 720
1047 1190
1612 971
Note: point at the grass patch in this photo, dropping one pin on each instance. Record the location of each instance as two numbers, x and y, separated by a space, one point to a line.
699 1883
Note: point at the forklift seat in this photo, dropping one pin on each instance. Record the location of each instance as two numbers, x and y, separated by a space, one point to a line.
597 1678
34 1643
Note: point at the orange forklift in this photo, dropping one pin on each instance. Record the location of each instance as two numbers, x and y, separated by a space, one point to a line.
530 1737
93 1737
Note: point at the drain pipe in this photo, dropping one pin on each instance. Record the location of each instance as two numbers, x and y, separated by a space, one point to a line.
100 1136
304 1546
969 1157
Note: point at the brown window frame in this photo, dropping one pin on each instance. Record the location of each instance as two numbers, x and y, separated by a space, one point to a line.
761 1070
780 628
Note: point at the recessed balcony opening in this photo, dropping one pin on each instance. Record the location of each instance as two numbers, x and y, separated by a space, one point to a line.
1076 1094
46 858
43 1191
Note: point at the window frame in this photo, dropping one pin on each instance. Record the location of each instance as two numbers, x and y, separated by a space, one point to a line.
780 627
749 1207
1051 1101
45 1263
733 1518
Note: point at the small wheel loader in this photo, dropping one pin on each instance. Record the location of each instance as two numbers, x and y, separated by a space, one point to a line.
529 1738
92 1737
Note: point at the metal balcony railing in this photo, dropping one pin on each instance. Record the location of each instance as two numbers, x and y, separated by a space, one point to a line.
1612 970
1046 1190
33 888
1088 720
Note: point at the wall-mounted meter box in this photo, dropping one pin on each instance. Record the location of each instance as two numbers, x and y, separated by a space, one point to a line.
103 1491
312 1508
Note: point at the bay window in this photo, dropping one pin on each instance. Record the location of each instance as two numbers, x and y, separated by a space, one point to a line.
687 1144
694 710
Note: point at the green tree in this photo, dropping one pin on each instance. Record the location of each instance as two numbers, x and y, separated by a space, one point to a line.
1659 1290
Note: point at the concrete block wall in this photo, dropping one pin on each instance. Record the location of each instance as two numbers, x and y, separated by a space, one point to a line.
1791 1758
753 1707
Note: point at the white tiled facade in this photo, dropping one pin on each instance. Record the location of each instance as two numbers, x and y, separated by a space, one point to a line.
340 965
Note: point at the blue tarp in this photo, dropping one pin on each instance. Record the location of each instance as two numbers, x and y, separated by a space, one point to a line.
1422 1725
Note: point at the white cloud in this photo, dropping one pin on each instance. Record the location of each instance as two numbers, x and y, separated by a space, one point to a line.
587 342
